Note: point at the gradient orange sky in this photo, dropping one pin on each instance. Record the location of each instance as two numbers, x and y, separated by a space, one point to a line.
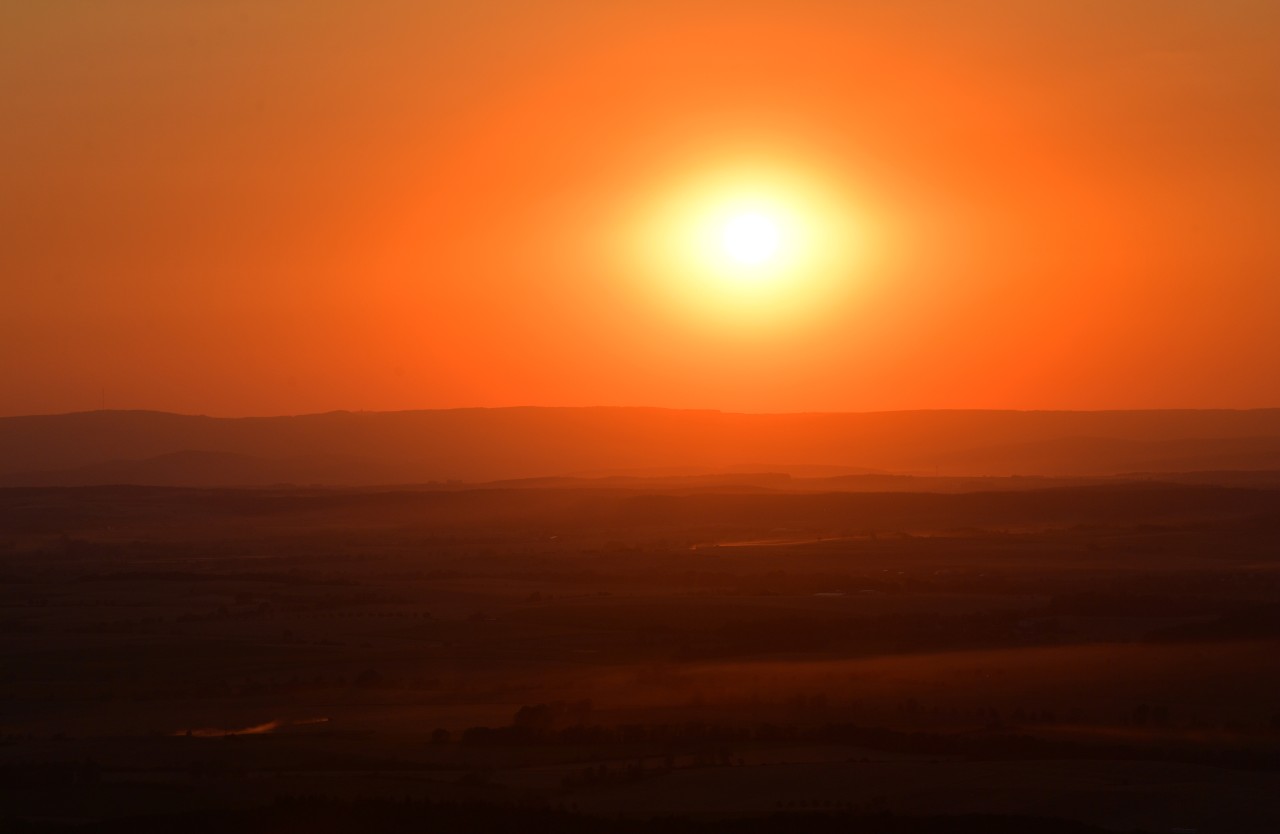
241 207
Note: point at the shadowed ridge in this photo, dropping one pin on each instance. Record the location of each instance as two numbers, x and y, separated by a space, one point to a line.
489 444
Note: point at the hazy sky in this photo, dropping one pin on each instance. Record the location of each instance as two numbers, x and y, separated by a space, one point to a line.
262 207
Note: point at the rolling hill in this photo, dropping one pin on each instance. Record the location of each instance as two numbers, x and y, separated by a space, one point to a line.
477 445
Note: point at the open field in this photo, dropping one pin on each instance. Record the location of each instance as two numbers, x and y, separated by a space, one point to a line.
1100 654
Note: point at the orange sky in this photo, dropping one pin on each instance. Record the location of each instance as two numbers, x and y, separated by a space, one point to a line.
264 208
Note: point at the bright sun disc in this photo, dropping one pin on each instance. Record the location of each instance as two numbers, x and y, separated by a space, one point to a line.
750 238
750 246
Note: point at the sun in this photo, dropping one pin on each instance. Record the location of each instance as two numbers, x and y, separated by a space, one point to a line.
749 246
744 236
751 238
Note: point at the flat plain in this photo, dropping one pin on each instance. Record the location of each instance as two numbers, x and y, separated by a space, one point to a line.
1103 654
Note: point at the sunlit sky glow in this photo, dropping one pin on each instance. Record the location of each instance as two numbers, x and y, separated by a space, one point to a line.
248 208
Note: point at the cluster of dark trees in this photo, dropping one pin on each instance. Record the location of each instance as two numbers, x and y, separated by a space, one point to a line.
712 742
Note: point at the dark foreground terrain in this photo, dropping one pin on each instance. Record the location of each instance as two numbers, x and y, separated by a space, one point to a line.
637 658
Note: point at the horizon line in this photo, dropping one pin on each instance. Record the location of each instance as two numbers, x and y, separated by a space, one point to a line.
343 411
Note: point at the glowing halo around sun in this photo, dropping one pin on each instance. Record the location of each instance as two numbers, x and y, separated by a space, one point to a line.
750 247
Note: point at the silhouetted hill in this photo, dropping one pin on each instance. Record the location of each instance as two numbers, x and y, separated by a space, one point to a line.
210 469
492 444
1103 455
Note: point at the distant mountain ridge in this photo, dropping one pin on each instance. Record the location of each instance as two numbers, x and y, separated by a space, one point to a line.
477 445
193 468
